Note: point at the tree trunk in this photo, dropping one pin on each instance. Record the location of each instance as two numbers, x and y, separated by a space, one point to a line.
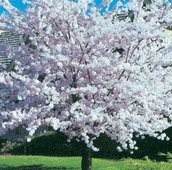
86 163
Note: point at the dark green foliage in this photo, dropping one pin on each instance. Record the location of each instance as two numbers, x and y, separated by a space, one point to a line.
28 42
26 39
35 167
147 2
119 50
75 98
1 142
131 15
8 146
55 144
41 77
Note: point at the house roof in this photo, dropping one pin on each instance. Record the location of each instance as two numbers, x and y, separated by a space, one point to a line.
12 39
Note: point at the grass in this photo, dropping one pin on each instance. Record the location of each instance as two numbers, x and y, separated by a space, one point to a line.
73 163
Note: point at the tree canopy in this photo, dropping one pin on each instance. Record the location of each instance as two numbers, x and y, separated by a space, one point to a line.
86 73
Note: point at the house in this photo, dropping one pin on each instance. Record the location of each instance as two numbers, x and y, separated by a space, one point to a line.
11 39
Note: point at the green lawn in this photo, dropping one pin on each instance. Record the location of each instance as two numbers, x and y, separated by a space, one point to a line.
73 163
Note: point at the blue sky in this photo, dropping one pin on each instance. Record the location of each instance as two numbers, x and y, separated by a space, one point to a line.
17 4
22 7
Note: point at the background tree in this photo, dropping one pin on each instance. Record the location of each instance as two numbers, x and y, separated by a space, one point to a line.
76 82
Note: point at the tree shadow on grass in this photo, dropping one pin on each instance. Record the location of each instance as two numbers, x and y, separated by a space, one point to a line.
34 167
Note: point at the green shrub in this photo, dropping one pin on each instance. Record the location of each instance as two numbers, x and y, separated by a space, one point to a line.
8 146
55 144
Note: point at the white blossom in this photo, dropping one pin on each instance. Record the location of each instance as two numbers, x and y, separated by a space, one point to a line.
87 74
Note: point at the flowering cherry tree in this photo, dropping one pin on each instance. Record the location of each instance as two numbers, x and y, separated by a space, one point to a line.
85 73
